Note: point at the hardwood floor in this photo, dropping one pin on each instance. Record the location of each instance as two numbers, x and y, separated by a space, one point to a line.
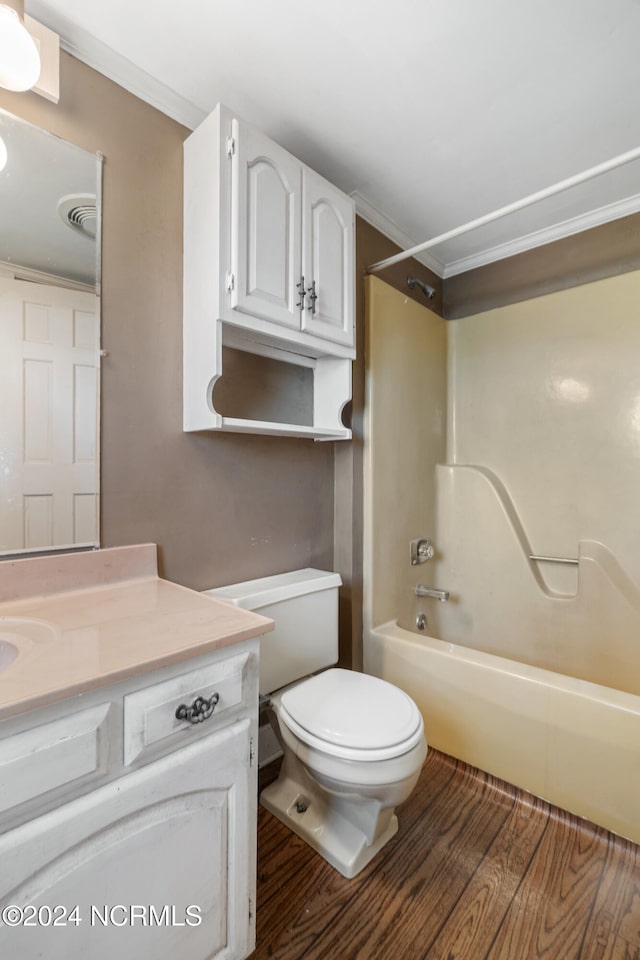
479 870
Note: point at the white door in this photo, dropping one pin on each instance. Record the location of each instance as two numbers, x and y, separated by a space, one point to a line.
328 260
265 228
49 339
174 836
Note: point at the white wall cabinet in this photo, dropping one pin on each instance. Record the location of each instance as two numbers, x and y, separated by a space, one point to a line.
156 857
266 246
268 269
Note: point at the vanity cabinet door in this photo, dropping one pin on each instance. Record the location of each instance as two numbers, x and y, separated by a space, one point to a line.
159 863
265 228
328 225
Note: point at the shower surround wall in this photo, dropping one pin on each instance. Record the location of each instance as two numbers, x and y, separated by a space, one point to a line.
406 348
542 456
544 436
546 393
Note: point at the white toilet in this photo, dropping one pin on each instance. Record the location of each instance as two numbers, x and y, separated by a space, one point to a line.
353 744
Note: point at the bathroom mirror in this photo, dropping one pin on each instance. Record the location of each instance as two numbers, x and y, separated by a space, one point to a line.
49 341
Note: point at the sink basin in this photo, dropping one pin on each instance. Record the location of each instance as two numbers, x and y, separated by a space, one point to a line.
8 653
25 628
19 635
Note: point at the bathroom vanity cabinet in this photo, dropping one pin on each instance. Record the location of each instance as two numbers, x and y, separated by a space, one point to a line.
127 832
128 782
268 269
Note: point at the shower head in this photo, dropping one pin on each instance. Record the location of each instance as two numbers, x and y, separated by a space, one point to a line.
428 291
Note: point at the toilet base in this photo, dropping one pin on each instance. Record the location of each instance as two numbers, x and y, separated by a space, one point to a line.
318 819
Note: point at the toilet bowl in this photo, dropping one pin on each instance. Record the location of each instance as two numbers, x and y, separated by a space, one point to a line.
338 796
353 745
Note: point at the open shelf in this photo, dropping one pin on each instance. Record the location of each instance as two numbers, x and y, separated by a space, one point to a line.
237 383
236 425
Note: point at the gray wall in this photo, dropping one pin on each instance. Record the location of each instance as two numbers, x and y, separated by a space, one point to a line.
604 251
221 508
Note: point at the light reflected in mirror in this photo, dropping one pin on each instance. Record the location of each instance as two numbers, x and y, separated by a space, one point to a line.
49 341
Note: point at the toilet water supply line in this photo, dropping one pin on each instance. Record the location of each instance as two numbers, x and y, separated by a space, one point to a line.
551 191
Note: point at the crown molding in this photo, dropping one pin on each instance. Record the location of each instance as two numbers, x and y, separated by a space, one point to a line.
142 85
566 228
369 212
85 47
13 271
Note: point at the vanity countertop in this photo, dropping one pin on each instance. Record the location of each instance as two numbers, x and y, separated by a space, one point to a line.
124 620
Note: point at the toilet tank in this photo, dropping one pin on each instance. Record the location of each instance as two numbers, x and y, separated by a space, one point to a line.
304 606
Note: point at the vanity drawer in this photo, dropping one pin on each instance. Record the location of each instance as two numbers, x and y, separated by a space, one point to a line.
53 754
150 722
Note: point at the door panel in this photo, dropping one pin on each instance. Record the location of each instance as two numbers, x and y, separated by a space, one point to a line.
157 863
49 340
266 190
328 260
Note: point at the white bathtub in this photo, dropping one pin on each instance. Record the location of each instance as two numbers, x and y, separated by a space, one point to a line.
574 743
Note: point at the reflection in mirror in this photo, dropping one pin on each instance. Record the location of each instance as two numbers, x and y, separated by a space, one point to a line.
49 341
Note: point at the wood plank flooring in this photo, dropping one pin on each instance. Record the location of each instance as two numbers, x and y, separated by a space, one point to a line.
479 870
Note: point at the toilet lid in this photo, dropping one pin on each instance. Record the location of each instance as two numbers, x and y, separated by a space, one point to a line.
345 709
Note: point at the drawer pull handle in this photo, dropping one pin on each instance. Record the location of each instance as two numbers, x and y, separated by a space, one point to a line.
199 710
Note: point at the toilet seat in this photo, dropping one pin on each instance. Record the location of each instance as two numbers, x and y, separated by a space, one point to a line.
351 716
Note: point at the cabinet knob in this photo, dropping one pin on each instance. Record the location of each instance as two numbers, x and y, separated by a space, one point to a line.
199 710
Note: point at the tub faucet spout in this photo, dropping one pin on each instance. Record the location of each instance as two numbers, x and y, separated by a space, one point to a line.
422 591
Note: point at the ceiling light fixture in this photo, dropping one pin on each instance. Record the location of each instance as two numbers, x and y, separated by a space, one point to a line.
19 57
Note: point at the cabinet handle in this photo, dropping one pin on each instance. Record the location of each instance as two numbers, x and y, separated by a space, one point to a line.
300 289
313 296
199 710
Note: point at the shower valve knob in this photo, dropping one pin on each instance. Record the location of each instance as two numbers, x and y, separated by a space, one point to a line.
421 550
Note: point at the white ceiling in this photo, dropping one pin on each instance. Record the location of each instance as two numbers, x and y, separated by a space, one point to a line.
432 112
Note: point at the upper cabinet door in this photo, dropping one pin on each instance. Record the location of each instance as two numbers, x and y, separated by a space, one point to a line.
265 228
328 260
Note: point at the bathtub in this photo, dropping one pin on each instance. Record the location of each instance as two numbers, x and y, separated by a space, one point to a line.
569 741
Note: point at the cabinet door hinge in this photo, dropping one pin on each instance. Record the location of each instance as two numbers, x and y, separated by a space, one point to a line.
250 909
231 146
252 752
229 282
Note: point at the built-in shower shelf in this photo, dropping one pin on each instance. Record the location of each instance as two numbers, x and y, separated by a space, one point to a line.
546 559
